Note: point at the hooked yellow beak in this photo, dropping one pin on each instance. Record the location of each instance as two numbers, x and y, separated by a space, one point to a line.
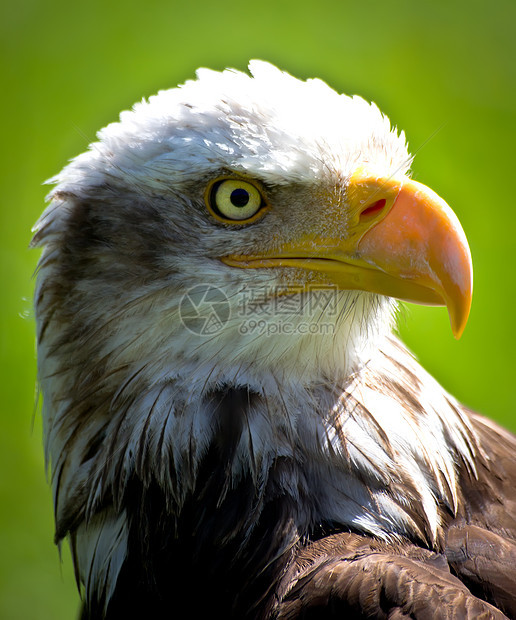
399 239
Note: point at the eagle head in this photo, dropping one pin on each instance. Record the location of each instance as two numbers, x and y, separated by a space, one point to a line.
215 301
264 188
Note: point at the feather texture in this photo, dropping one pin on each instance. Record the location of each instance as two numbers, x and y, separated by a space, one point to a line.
250 471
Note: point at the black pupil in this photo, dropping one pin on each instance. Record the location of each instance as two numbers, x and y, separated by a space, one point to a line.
239 197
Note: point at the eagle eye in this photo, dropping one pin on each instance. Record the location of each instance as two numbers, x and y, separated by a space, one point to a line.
235 201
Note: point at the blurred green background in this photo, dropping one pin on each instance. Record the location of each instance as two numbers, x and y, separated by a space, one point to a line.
443 71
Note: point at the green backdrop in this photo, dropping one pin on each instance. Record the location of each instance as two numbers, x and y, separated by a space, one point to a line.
444 71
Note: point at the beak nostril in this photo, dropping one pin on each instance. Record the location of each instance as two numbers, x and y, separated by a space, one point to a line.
373 209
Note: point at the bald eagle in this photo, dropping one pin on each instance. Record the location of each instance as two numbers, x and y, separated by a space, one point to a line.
230 424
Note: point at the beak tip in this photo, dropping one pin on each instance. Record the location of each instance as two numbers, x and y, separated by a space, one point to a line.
459 316
457 332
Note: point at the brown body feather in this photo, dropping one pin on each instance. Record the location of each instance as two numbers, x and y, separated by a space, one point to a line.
473 576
